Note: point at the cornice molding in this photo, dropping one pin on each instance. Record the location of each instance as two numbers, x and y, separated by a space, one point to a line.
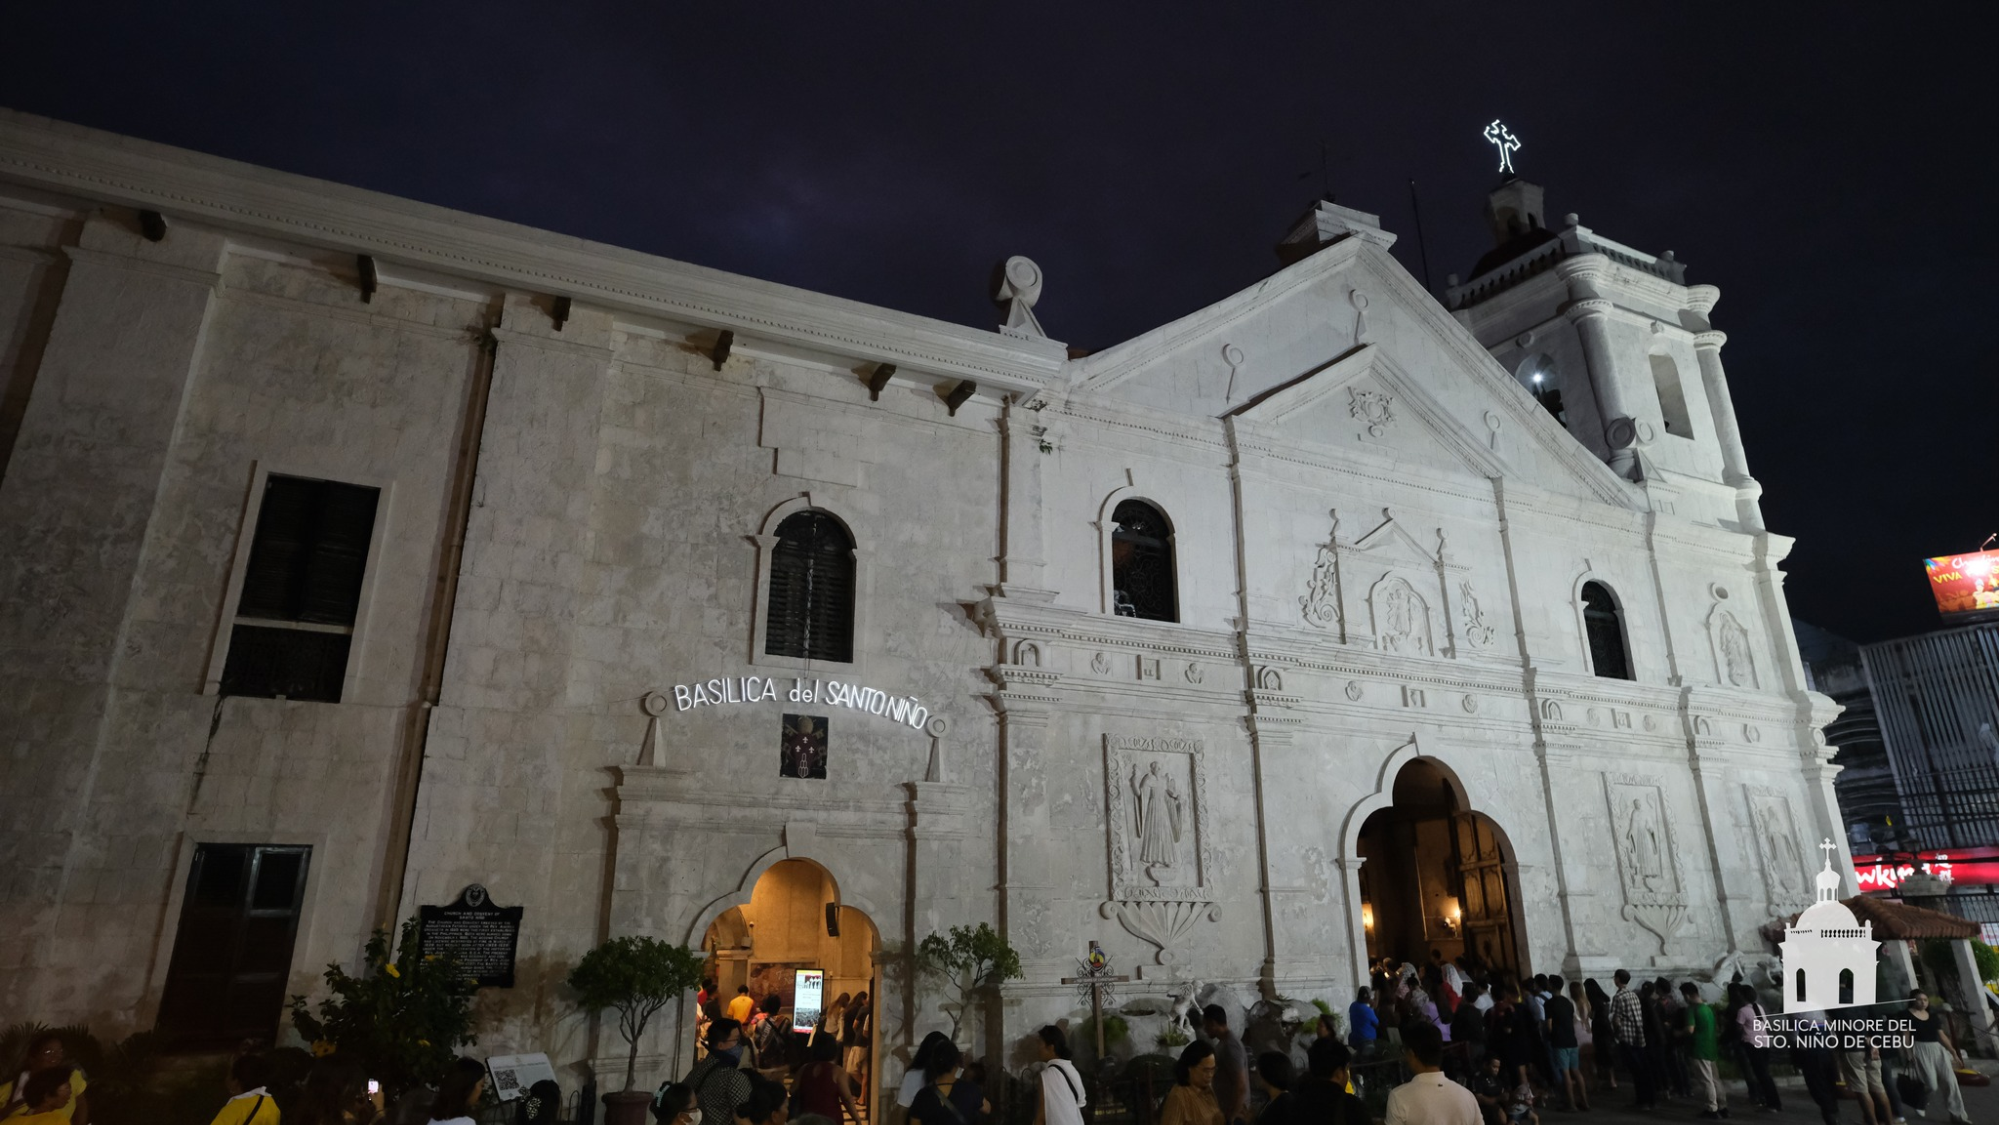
52 156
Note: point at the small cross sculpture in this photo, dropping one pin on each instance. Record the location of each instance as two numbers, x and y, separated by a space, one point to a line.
1097 982
1508 144
1827 848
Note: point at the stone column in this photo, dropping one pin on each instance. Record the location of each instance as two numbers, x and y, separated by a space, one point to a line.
1026 425
1620 431
77 535
1356 919
1734 461
1028 881
1970 998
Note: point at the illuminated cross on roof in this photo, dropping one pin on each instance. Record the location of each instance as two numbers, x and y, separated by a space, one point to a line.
1508 144
1827 848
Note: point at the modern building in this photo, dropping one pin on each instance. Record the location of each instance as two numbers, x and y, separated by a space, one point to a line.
1937 695
355 551
1868 794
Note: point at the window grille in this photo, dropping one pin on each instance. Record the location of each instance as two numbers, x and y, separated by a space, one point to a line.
1142 563
1606 633
294 621
811 611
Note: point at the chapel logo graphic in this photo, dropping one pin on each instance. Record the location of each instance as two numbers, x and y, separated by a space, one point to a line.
1828 954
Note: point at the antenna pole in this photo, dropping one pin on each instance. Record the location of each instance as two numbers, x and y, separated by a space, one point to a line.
1422 245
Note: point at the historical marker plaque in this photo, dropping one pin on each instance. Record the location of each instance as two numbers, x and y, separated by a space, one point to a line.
479 933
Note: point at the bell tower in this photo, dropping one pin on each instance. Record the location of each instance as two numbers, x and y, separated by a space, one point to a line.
1617 347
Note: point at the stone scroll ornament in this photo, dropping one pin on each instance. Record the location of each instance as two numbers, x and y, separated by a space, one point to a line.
1647 860
1321 603
1018 289
1158 820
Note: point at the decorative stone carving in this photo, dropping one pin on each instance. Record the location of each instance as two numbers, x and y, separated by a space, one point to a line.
1414 697
1401 619
1470 704
1359 302
1019 289
1703 726
1163 924
1751 733
1321 604
1194 674
1100 664
1353 690
1551 711
1027 654
1373 408
1477 630
1269 679
1148 668
1647 860
1784 869
1233 357
1160 843
1734 658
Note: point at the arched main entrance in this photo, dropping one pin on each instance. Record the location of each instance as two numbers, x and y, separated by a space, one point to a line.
795 921
1436 875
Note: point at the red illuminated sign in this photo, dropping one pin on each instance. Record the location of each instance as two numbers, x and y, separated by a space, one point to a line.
1955 865
1965 584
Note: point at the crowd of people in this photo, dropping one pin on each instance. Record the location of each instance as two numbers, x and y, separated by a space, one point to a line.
288 1085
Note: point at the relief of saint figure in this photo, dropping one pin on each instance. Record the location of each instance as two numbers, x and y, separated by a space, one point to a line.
1645 847
1158 810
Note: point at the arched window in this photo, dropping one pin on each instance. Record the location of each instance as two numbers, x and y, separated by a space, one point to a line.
811 590
1606 633
1142 563
1846 987
1672 397
1801 984
1537 374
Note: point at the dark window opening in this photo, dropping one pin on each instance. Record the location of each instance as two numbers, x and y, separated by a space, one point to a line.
232 953
1142 563
1606 633
811 612
301 590
1551 401
1846 987
1801 985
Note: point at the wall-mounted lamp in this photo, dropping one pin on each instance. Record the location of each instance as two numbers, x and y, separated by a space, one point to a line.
1367 915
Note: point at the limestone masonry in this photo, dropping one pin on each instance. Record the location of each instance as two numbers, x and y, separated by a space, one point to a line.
1366 551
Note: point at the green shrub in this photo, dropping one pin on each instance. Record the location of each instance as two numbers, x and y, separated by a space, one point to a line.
404 1019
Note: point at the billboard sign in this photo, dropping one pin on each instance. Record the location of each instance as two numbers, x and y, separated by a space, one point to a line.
1956 866
1965 584
808 999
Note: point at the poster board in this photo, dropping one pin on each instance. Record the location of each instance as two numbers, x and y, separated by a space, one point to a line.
513 1075
808 999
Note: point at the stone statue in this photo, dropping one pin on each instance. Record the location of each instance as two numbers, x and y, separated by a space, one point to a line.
1737 664
1401 618
1158 811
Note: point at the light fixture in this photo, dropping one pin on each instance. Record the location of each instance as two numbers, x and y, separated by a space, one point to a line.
1537 377
1367 915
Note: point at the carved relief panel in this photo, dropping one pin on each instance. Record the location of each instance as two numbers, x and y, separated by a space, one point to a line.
1647 860
1160 843
1400 617
1785 871
1734 656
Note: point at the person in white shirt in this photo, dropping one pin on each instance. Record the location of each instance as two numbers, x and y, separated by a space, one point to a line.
1062 1097
1428 1096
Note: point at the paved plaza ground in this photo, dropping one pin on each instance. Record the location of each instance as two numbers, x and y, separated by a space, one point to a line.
1982 1103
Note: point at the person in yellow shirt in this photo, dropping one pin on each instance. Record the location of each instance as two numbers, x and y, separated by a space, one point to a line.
46 1054
741 1005
45 1097
249 1098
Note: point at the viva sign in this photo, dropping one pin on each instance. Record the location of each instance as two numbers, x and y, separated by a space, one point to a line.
832 693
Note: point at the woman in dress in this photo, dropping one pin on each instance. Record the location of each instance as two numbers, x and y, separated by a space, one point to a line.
822 1086
1192 1101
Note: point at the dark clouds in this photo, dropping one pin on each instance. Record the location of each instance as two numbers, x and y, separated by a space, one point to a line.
1827 171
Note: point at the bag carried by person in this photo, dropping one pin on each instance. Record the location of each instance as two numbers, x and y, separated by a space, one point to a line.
1915 1095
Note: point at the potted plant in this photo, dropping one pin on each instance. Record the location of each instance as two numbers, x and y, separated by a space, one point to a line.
637 977
403 1019
971 960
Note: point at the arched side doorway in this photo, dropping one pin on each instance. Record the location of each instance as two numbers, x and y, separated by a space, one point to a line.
795 921
1436 876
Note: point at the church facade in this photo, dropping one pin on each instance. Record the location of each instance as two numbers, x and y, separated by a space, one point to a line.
357 551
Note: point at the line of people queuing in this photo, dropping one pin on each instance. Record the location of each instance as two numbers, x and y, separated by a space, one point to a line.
263 1088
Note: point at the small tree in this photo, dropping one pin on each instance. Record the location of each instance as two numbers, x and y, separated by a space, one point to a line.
971 960
403 1020
637 977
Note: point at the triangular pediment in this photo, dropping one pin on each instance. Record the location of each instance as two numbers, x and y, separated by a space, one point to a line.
1344 349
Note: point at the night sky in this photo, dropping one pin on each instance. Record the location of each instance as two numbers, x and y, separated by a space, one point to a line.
1832 174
